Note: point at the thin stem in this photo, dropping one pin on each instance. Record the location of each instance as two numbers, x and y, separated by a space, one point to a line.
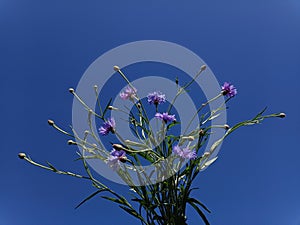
180 90
86 106
199 109
54 169
98 100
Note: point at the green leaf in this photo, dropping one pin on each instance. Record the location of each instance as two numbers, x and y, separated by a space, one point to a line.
119 201
199 203
106 108
201 214
261 112
89 197
52 167
132 212
172 124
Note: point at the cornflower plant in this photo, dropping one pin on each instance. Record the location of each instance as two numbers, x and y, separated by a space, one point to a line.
161 196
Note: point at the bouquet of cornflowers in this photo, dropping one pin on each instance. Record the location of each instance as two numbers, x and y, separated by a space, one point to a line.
163 190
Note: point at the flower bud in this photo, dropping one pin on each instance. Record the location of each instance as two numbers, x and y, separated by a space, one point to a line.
116 68
123 159
203 67
191 138
282 115
51 122
71 90
201 132
226 126
90 112
71 142
22 155
118 147
112 108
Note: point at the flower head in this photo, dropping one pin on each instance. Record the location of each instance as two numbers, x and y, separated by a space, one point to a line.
108 126
115 158
156 98
165 117
229 90
129 93
185 153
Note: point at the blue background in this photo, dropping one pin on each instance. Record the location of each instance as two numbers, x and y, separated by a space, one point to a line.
45 47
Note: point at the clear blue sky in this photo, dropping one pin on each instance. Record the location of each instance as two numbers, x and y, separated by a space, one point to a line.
45 47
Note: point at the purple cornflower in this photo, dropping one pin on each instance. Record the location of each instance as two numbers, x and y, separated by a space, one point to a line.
129 93
165 117
156 98
108 126
115 158
185 153
229 90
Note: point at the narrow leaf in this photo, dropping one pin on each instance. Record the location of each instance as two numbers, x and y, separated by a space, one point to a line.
89 197
119 201
106 108
201 214
52 167
209 162
199 203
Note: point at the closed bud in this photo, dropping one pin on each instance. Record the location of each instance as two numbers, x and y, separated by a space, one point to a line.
203 67
201 132
282 115
226 126
123 159
118 147
116 68
191 138
71 142
112 108
22 155
51 122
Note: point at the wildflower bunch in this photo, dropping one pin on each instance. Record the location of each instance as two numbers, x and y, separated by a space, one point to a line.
162 195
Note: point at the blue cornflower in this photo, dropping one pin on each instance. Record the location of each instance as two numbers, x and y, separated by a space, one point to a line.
108 126
165 117
115 158
185 153
156 98
228 89
129 93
